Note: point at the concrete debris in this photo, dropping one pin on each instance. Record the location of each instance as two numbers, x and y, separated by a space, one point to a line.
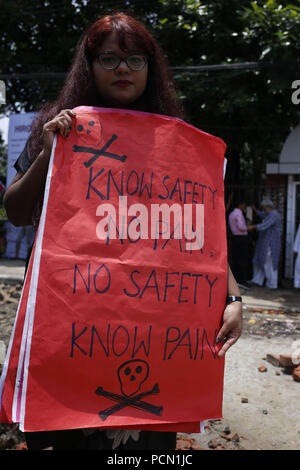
288 363
272 325
296 374
21 446
218 438
273 359
267 311
184 443
227 430
232 436
213 444
10 294
285 360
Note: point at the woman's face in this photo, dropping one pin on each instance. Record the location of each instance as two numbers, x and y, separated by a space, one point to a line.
122 86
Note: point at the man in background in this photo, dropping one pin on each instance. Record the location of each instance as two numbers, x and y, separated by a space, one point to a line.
239 244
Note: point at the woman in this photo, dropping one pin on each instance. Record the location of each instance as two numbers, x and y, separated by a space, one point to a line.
90 84
117 64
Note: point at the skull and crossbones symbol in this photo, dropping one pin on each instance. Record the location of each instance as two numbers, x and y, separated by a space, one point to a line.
90 132
131 374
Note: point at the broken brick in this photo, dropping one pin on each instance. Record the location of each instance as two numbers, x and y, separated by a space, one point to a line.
296 374
262 369
244 400
232 436
220 447
288 370
212 444
286 360
21 446
273 359
184 443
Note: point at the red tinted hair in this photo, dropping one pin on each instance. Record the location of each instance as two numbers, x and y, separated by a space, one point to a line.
132 35
80 89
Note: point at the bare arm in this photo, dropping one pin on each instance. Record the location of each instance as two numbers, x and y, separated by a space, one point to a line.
23 193
232 318
25 190
233 288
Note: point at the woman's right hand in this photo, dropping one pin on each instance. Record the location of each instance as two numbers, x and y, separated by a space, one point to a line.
61 123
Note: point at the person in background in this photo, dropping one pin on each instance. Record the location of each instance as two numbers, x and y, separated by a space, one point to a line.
239 244
26 235
297 261
267 250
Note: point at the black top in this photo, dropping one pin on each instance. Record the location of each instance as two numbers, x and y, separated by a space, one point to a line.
23 162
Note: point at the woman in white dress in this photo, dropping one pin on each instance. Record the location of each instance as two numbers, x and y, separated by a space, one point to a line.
297 262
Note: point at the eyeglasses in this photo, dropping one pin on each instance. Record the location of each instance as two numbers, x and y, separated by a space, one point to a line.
111 61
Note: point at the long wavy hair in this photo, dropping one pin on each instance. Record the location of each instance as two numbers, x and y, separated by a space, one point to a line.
80 88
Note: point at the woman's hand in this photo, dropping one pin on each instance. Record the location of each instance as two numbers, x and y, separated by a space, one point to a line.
232 326
61 123
24 192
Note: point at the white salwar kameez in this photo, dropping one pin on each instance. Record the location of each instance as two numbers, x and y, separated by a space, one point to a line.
297 262
266 272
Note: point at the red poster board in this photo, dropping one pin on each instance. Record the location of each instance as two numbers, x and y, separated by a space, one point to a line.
122 329
13 369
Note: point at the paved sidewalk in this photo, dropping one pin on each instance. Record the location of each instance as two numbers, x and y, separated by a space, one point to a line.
12 270
286 300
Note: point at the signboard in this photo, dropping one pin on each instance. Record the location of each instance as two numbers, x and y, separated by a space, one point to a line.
18 133
127 285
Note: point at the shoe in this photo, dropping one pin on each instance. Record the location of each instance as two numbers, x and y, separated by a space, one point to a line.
247 284
243 285
253 283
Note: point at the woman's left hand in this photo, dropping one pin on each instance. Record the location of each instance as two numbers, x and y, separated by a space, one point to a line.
232 326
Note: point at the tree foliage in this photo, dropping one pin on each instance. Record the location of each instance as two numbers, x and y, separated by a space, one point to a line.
250 108
3 161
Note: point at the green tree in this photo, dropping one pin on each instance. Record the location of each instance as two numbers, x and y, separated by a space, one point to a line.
250 108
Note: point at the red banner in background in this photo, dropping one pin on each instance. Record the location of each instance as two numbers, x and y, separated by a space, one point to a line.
129 278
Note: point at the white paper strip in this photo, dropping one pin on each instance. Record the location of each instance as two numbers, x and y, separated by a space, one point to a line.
22 377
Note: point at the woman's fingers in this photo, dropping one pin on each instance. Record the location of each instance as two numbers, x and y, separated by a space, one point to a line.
64 121
61 123
230 341
231 329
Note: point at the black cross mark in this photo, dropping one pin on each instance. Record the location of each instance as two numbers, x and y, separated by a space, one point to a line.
135 402
97 153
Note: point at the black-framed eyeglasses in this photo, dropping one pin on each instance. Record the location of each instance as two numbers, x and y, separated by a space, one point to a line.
111 61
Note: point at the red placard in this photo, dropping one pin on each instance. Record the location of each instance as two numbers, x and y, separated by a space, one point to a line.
13 369
126 309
